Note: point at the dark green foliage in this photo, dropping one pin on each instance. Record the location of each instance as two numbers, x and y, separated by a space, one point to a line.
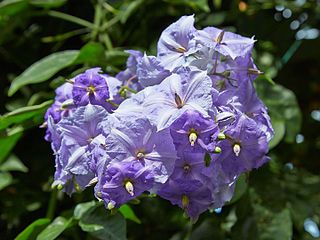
43 43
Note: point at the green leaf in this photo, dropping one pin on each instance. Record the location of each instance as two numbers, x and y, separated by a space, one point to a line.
13 163
196 5
33 229
23 114
116 57
54 229
128 213
91 53
101 224
128 9
43 69
273 226
47 3
279 132
282 106
5 180
82 208
11 7
7 143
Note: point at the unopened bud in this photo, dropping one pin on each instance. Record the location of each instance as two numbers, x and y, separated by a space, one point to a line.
236 149
110 205
129 188
221 136
192 138
217 150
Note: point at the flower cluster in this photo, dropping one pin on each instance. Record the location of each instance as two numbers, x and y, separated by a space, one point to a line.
183 124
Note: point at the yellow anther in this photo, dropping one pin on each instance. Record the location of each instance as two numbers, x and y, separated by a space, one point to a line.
192 138
180 49
236 149
179 102
129 188
185 201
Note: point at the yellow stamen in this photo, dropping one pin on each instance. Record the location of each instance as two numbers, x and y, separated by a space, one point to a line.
129 188
180 49
192 138
236 149
185 201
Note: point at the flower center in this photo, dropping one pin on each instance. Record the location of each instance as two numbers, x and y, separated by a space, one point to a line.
186 168
179 102
91 89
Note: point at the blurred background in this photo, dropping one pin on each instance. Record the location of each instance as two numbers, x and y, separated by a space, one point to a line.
279 201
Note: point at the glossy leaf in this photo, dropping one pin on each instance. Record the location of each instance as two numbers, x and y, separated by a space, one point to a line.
23 114
91 53
128 213
13 163
11 7
48 3
7 143
82 208
33 229
282 106
5 180
43 69
279 128
54 229
101 224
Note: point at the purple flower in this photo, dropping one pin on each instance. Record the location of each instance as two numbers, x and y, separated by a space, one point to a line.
135 139
91 87
191 195
244 148
252 107
226 43
176 43
188 89
192 131
133 60
62 107
150 72
72 140
123 181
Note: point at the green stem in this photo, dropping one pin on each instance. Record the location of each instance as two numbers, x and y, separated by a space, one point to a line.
112 103
129 89
71 18
52 204
97 20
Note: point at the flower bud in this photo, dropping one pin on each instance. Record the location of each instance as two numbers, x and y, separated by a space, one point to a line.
221 136
110 205
217 150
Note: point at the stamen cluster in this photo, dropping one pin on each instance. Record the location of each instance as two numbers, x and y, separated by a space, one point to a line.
183 124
